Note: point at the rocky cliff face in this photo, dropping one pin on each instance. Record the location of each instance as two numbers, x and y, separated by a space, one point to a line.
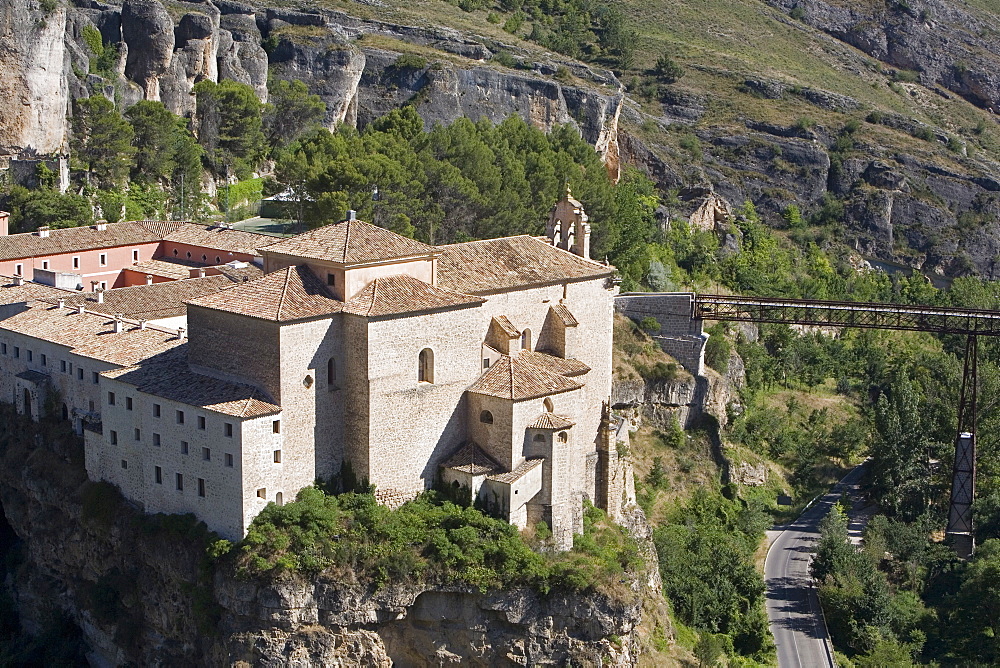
142 592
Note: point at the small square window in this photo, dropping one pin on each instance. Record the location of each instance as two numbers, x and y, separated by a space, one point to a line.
45 360
156 440
184 447
156 410
201 422
180 417
180 482
104 285
17 351
128 403
206 454
229 429
45 264
124 464
158 475
229 459
276 427
201 487
138 434
94 377
19 270
30 355
113 437
104 259
111 398
331 279
277 456
262 493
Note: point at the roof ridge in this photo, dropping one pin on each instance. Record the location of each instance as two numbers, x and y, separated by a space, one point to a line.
510 368
347 241
284 290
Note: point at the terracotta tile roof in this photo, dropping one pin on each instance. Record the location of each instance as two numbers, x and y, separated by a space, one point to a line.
507 326
172 269
149 302
396 295
560 311
70 239
169 376
496 265
240 274
16 294
350 242
89 334
559 365
511 477
518 379
551 421
471 459
292 293
221 238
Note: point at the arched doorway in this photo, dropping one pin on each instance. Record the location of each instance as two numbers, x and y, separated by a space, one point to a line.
65 412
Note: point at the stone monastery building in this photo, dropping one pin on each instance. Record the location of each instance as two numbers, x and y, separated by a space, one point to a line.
231 370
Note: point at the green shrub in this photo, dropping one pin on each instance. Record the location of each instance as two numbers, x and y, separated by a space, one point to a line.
667 70
797 13
410 61
504 58
906 76
650 324
514 22
718 349
493 18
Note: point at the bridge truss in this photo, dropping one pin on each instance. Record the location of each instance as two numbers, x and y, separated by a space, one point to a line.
966 322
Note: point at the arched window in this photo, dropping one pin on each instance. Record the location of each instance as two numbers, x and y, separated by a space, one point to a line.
331 372
548 405
278 499
563 437
486 417
526 340
425 371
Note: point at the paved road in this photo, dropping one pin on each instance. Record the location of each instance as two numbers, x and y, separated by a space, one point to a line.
792 605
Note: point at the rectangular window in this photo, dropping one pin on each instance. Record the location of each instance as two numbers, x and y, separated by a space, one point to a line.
229 459
94 377
180 482
486 362
17 351
124 464
45 359
138 434
156 440
111 398
277 456
158 475
79 373
128 403
113 437
201 487
262 493
31 355
229 429
156 410
135 256
104 285
3 348
201 422
62 365
180 417
276 427
45 265
184 447
76 262
331 279
19 270
91 404
104 259
206 454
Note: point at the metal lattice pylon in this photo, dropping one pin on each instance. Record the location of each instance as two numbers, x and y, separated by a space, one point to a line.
963 479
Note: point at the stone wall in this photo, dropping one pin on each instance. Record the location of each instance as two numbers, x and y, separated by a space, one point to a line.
680 336
235 347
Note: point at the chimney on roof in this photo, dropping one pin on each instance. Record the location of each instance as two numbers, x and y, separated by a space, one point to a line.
181 332
101 225
4 218
100 296
18 279
80 308
201 272
142 324
61 303
119 324
93 286
352 214
43 231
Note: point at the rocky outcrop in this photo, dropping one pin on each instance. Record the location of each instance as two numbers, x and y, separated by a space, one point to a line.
685 398
142 591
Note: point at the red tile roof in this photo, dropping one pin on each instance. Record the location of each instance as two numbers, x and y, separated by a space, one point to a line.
517 379
351 242
559 365
551 421
292 293
397 295
471 459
